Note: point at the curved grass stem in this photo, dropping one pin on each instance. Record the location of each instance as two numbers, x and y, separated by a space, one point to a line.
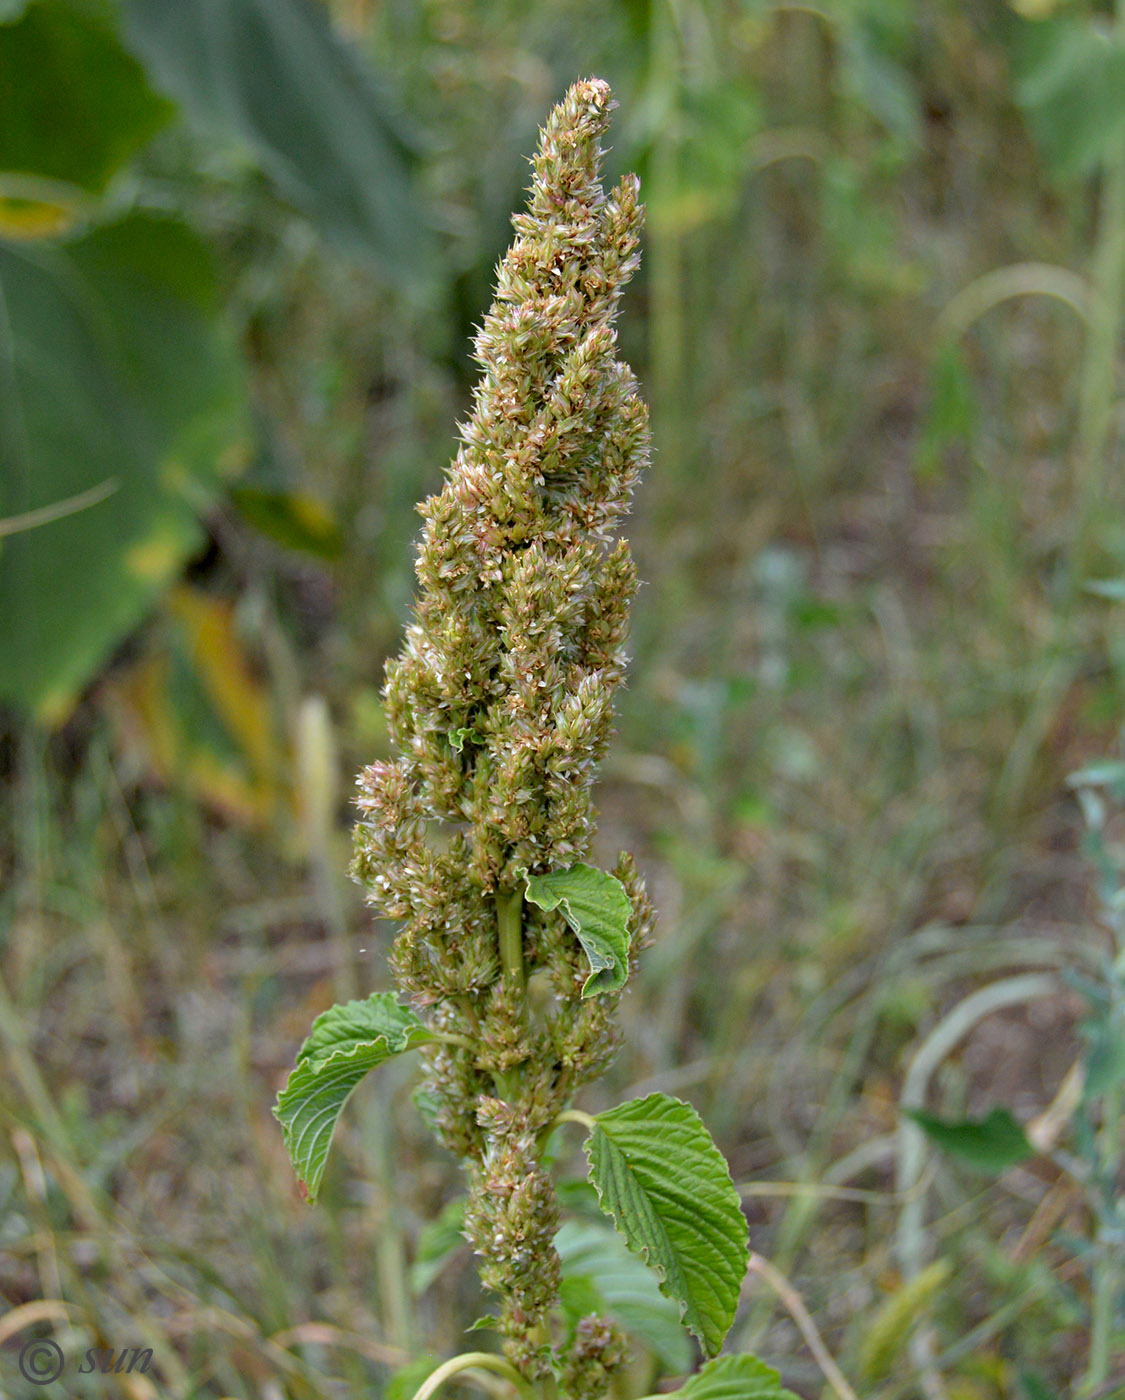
471 1361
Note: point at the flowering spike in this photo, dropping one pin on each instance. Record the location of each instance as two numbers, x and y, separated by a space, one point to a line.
500 705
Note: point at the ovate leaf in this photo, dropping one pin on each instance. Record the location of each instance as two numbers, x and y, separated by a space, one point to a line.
667 1187
735 1378
117 379
276 76
991 1144
346 1043
597 908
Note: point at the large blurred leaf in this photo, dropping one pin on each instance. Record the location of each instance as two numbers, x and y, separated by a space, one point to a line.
1070 82
275 74
74 105
113 370
600 1275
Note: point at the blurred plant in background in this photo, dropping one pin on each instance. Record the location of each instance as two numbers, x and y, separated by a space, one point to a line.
241 248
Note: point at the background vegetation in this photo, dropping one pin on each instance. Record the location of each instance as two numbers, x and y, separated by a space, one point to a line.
242 246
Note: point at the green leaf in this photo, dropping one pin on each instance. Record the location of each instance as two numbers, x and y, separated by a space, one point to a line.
1069 78
883 85
74 105
597 908
600 1275
115 373
669 1191
1035 1388
991 1144
1104 1034
734 1378
406 1381
275 75
1111 588
293 521
346 1043
952 411
438 1242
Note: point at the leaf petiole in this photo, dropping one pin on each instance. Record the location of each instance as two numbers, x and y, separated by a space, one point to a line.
575 1115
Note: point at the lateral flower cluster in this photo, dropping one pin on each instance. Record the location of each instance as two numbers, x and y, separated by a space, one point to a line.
500 706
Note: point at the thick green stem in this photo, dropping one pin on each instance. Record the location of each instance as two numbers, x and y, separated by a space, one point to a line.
509 919
509 915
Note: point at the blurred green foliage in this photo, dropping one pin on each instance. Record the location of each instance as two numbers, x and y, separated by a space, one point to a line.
878 326
118 377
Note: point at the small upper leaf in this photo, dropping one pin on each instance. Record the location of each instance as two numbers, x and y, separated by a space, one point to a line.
669 1190
346 1042
735 1378
597 908
992 1144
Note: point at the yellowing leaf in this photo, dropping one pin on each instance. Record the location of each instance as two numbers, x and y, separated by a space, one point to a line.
28 218
202 719
156 559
